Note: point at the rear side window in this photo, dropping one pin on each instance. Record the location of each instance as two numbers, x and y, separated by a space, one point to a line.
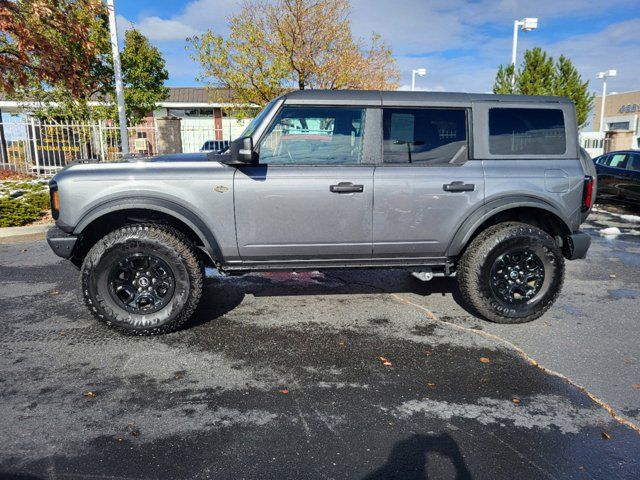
526 131
424 135
617 160
634 163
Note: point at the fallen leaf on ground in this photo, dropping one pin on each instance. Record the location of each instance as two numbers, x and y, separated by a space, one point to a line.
606 436
484 360
636 386
90 394
431 385
284 391
385 362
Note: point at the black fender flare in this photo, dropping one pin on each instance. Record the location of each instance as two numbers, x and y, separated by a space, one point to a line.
158 204
469 226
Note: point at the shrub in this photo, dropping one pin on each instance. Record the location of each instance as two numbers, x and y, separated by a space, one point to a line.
28 208
14 212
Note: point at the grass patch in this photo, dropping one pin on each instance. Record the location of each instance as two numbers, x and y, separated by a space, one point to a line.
22 202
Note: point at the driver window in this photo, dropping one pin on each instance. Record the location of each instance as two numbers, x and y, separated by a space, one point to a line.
314 136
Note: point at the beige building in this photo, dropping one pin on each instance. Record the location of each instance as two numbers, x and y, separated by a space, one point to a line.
621 120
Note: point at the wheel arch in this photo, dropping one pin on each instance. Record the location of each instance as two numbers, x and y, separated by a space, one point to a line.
98 221
528 210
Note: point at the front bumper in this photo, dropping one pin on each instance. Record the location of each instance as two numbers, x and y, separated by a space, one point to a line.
575 246
61 242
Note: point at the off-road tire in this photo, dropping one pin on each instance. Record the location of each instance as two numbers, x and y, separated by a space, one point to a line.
164 243
475 266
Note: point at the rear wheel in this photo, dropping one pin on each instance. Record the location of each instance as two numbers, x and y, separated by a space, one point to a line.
142 279
511 273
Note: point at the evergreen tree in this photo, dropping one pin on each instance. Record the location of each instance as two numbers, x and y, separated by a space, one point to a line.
539 75
504 83
568 83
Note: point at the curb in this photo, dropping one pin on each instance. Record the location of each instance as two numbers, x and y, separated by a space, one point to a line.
14 233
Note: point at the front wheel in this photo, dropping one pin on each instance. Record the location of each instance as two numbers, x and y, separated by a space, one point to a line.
142 279
511 273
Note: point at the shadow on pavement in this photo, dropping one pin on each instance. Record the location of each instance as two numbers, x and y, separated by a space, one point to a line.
408 458
222 294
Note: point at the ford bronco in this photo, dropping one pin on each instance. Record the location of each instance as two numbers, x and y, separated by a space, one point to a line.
490 189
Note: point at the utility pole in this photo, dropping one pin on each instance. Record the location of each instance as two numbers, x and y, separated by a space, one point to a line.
122 117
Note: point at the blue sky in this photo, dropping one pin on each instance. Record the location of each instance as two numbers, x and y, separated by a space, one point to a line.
459 42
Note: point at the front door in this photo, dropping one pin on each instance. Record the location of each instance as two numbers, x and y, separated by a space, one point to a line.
311 196
425 187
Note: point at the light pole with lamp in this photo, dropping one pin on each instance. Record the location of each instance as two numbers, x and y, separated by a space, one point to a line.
421 72
122 118
604 76
526 25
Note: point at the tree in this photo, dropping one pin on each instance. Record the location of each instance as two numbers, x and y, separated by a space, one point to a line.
51 42
568 83
143 76
504 83
292 44
539 75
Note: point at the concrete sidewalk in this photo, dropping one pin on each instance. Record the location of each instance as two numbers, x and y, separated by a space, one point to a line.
29 232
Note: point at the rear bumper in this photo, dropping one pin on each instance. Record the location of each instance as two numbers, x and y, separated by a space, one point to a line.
576 245
61 242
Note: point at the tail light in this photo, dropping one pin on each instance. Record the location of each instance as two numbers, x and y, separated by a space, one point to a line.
587 193
54 199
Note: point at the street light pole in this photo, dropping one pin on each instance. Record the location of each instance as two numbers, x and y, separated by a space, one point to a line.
526 25
421 72
122 117
603 76
514 47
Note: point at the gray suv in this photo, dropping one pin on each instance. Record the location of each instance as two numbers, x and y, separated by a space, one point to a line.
490 189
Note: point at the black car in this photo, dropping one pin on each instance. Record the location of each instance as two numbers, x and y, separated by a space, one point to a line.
619 176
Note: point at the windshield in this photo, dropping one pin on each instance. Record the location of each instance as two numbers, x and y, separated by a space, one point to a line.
248 131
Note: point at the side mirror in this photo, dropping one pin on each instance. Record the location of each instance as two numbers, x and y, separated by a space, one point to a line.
241 150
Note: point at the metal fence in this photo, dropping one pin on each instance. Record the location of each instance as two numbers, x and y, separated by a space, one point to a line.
28 145
42 148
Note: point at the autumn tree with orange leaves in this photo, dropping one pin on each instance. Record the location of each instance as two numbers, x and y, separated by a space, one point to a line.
292 44
57 43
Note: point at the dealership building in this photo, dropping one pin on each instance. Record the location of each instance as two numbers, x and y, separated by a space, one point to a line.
621 120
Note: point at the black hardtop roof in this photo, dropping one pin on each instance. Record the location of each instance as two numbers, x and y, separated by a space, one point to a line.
405 98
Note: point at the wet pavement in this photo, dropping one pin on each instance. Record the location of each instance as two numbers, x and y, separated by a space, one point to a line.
354 374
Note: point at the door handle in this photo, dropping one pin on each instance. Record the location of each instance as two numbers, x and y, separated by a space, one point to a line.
346 187
458 187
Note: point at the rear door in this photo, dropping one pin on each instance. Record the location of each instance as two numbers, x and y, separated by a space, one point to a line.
612 173
311 195
630 185
425 185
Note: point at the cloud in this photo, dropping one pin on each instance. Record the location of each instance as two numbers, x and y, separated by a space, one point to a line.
157 29
460 42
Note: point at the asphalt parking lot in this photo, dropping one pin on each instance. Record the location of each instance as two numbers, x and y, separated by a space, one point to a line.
357 374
